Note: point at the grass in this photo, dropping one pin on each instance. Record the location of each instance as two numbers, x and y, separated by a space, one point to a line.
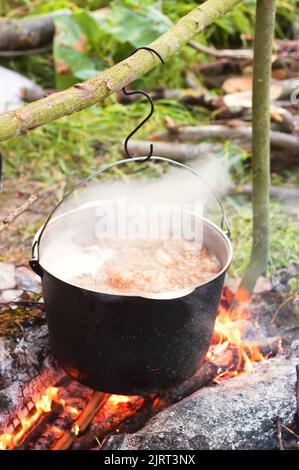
284 226
75 146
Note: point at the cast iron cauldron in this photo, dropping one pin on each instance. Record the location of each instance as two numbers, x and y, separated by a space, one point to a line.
127 344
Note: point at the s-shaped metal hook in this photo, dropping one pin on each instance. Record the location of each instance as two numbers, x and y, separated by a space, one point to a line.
139 92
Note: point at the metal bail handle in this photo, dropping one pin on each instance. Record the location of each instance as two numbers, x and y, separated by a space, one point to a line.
34 262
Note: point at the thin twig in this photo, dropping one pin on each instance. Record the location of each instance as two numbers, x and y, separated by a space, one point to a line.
18 211
279 433
297 391
238 54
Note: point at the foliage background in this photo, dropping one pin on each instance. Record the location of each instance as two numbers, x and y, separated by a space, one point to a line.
72 147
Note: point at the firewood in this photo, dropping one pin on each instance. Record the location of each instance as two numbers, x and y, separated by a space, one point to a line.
279 433
33 431
26 363
280 140
234 54
297 392
66 439
281 194
139 411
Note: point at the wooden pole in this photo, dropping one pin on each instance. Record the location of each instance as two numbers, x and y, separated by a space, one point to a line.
260 161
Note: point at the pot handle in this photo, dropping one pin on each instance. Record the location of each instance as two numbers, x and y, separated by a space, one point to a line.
34 262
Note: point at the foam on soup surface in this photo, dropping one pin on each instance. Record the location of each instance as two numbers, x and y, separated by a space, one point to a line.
152 266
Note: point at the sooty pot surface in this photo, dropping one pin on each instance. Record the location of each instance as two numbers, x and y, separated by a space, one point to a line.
134 345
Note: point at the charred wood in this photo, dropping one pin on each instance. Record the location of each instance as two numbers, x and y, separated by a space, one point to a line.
27 366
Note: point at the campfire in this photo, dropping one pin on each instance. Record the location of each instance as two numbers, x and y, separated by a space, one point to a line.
70 415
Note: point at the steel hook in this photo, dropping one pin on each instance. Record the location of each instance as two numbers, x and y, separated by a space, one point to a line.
139 92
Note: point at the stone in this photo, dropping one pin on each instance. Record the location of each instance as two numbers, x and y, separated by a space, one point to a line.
27 280
238 413
10 295
7 276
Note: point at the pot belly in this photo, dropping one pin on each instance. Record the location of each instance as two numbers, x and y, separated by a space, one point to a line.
129 345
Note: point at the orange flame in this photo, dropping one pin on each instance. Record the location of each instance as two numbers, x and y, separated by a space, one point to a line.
117 399
228 332
43 405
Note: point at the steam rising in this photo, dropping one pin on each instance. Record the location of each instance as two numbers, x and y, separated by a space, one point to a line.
131 208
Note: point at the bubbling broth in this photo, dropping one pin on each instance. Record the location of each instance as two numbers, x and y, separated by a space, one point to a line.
152 266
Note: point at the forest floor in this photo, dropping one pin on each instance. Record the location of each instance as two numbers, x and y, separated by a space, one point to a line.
51 159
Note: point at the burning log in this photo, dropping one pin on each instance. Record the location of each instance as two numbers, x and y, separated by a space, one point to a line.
97 401
27 367
118 413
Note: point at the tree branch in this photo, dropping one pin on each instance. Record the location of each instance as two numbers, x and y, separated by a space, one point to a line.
18 211
93 91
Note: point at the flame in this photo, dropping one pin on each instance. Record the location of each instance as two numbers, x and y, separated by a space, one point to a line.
74 412
43 405
56 431
75 429
228 332
117 399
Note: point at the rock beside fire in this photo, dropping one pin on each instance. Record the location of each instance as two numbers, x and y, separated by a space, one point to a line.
239 413
27 366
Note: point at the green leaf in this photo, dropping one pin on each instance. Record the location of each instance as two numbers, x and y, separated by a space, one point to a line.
138 26
84 43
72 49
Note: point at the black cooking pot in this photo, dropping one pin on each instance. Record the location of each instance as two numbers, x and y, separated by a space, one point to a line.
126 344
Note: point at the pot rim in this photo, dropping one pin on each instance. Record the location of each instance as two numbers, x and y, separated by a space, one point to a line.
154 296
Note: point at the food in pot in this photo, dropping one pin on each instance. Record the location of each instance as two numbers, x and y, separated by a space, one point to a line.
153 266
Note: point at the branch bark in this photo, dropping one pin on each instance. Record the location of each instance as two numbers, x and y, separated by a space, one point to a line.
219 131
18 211
27 33
93 91
260 161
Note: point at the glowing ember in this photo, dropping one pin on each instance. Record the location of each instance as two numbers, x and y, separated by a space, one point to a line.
43 405
116 399
56 431
72 411
75 429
